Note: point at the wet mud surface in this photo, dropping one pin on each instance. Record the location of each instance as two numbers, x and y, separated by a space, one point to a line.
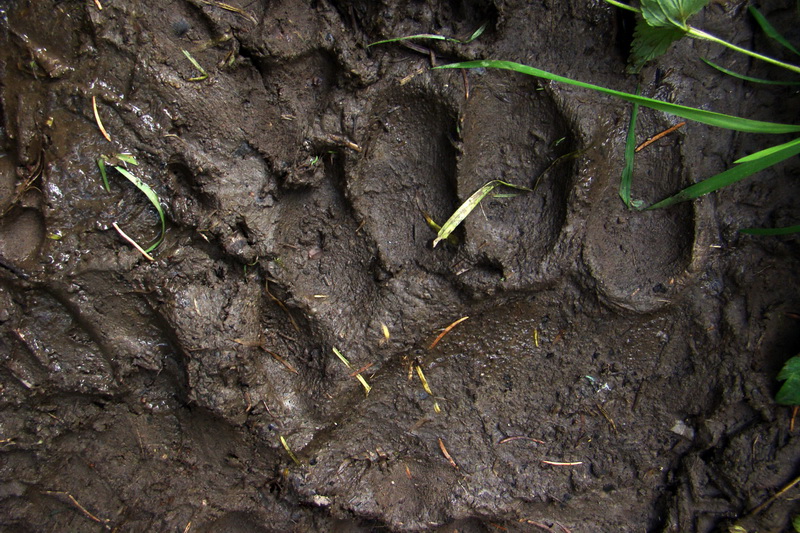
617 369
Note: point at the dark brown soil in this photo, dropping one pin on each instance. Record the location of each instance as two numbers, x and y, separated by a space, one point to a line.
617 369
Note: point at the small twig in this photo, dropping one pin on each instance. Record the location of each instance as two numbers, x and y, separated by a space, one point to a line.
232 9
97 117
774 497
607 417
132 242
557 463
520 437
794 414
282 306
98 4
80 507
446 331
447 454
360 370
657 136
281 360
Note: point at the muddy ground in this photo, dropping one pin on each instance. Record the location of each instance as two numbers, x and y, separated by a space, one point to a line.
636 351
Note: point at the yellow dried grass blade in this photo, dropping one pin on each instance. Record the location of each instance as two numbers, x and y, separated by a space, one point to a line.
467 207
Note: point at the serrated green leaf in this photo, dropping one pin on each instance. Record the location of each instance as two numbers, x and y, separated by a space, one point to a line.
650 42
789 394
796 519
670 13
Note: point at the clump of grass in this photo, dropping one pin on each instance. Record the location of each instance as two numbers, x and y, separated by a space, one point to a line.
203 74
118 162
746 166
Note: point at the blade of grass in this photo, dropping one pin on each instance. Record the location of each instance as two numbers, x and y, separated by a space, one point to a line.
427 388
203 74
769 29
765 152
359 377
788 230
630 155
97 119
732 175
699 115
477 33
289 451
747 78
153 197
466 208
127 158
101 164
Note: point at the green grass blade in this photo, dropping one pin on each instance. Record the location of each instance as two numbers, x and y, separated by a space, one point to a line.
411 37
630 155
732 175
766 152
769 29
622 6
203 74
128 158
101 164
747 78
153 197
467 207
477 33
788 230
699 115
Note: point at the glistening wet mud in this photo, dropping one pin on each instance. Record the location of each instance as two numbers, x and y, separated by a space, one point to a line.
616 371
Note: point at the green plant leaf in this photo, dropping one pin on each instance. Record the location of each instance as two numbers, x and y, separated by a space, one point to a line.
699 115
769 29
732 175
670 13
789 393
466 208
650 42
153 197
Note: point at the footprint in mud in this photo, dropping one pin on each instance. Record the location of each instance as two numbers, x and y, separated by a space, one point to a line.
408 170
21 237
640 260
514 132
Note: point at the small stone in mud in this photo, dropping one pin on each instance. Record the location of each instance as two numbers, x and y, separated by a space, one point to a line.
180 27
